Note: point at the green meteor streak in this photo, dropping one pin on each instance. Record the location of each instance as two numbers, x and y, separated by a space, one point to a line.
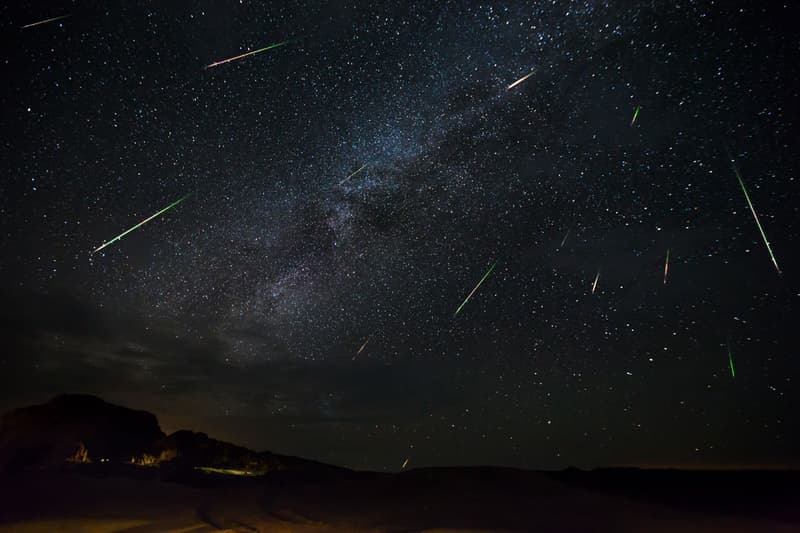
475 289
758 223
143 222
730 360
635 114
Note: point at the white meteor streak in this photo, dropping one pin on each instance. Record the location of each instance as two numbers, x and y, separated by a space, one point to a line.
520 80
596 278
564 239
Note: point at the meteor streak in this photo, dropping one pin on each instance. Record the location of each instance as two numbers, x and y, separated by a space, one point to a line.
635 114
564 239
520 80
752 210
362 348
45 21
353 173
594 285
254 52
404 463
730 360
475 289
143 222
666 267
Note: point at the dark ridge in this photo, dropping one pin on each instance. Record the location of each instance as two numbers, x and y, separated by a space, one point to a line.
82 431
66 426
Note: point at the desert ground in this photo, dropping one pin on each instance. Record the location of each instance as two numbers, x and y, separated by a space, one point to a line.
430 500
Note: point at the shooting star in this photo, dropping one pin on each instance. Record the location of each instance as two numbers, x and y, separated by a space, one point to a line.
666 267
520 81
143 222
254 52
596 278
353 173
758 223
405 463
635 114
475 289
45 21
362 348
564 239
730 361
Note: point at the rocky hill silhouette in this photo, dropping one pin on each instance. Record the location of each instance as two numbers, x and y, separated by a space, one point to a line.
83 429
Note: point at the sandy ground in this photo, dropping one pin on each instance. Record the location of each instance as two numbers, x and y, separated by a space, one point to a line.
431 501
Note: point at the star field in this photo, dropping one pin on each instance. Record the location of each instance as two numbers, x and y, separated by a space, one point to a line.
240 311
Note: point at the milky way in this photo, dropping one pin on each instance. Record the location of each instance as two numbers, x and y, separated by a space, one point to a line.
355 183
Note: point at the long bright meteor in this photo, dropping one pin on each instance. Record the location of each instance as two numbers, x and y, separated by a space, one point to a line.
666 267
142 223
596 279
254 52
475 289
525 77
45 21
353 173
755 216
635 114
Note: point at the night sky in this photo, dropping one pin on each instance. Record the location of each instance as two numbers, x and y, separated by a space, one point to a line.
240 311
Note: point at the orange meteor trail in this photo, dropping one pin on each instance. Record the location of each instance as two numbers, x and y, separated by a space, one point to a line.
362 348
520 81
45 21
254 52
666 267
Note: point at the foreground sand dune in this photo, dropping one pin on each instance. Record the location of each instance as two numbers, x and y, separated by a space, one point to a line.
435 500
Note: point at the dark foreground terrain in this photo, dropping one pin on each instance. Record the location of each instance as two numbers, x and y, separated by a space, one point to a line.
439 499
78 464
